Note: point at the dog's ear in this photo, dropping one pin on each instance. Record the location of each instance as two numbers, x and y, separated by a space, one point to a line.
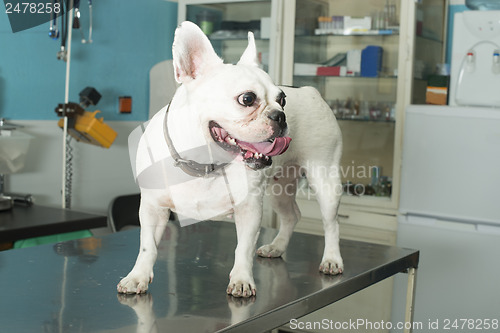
192 52
249 57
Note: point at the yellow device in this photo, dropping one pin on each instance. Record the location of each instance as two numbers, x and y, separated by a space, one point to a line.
87 128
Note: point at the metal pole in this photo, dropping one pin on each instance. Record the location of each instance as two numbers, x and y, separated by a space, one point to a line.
66 204
410 300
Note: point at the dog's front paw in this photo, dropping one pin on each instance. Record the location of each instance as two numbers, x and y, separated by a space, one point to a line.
241 287
331 267
134 283
270 251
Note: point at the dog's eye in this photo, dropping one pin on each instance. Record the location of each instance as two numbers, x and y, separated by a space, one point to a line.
247 99
282 101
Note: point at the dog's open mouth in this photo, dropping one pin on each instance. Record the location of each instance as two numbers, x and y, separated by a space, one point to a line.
256 155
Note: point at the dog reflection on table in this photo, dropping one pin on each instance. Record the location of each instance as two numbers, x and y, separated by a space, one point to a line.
273 271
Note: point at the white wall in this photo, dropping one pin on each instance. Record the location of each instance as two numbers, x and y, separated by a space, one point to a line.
99 174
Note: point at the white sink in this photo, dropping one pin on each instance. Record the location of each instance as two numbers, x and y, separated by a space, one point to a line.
13 148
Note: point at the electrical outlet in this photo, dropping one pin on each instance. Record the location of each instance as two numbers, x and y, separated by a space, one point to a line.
125 104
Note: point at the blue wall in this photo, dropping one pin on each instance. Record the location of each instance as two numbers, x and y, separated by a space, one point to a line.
129 37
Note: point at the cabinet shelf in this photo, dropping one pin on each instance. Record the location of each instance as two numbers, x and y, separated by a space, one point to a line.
430 39
366 120
358 33
236 38
371 33
381 202
344 77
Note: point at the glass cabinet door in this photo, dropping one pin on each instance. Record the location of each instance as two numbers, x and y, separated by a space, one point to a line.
430 45
348 50
351 51
226 23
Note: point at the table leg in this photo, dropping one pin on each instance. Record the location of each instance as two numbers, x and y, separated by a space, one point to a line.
410 300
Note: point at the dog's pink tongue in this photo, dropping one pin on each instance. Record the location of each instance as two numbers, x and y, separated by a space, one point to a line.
277 147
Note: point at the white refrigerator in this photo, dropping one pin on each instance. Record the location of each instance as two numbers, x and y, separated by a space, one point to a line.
450 211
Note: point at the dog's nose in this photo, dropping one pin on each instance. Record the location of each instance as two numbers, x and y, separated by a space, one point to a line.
278 116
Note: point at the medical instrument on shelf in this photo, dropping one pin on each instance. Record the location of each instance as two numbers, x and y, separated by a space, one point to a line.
76 18
83 125
53 31
62 54
76 21
89 40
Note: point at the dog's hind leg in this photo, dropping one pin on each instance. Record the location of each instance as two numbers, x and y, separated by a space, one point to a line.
326 185
283 188
153 222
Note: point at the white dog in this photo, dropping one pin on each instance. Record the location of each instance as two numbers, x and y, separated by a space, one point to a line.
225 122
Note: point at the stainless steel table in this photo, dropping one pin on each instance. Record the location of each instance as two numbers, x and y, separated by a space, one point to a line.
71 286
